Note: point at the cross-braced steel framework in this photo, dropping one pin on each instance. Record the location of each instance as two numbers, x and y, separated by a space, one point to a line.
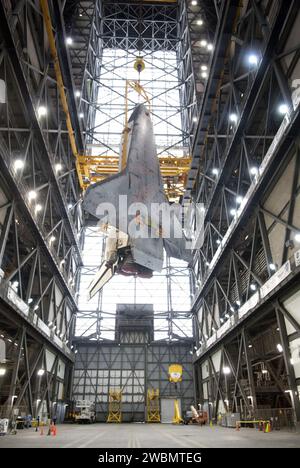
119 33
40 212
245 170
168 291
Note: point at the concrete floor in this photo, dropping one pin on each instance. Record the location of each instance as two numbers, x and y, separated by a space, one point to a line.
150 436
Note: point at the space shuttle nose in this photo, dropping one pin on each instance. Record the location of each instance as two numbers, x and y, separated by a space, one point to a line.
139 111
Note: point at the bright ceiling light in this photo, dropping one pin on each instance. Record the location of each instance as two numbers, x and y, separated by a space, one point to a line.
32 195
38 208
238 303
239 199
283 109
194 2
70 206
41 372
2 371
218 241
233 212
77 93
253 170
249 346
203 43
195 119
232 309
279 347
253 287
199 22
253 59
272 267
69 41
81 115
204 67
204 74
215 171
233 118
58 167
18 164
226 370
42 111
210 47
30 300
52 239
297 238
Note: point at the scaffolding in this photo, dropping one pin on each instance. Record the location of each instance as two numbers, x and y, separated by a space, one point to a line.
153 410
114 407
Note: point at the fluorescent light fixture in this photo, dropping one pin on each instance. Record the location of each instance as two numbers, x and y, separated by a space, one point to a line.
42 111
283 109
32 195
41 372
203 43
18 164
250 346
194 2
199 22
69 41
226 370
204 74
203 67
233 118
2 371
279 347
264 371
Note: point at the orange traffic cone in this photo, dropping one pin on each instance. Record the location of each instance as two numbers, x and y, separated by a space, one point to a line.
54 430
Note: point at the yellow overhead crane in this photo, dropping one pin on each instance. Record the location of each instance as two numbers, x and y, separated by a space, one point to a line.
91 169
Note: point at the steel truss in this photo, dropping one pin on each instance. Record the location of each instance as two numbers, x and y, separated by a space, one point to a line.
132 27
95 319
24 385
41 220
245 166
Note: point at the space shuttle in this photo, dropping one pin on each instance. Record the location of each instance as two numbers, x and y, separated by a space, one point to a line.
129 205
